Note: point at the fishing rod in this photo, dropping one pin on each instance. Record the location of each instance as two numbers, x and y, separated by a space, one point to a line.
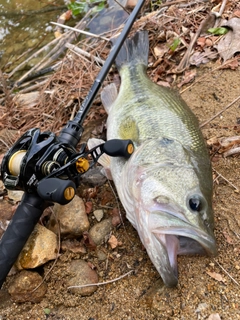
48 167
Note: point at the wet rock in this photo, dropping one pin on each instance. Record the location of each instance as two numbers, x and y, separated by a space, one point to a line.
100 231
22 287
72 218
41 247
80 273
98 214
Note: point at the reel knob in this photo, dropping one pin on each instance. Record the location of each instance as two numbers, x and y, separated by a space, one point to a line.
56 190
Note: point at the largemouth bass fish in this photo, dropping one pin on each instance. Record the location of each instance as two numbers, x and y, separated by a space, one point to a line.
166 185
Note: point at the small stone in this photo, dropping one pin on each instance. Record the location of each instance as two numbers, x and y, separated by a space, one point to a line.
41 246
93 177
98 214
100 231
101 255
22 287
80 273
72 218
214 316
15 195
131 4
201 307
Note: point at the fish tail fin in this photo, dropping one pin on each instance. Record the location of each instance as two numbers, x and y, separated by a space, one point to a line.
134 50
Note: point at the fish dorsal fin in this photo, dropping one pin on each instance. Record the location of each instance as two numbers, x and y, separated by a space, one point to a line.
108 96
128 129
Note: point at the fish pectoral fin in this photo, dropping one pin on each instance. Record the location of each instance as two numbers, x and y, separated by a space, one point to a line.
104 160
108 96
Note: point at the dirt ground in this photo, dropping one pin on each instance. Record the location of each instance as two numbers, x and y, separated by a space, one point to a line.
206 286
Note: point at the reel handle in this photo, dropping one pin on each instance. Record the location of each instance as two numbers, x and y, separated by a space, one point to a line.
18 231
118 148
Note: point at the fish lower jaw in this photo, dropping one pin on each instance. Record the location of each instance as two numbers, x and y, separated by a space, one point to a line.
174 245
171 244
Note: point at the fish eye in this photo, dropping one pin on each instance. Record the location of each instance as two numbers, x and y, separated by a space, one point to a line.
195 204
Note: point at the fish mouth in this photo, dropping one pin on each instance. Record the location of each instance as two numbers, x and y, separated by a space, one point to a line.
177 237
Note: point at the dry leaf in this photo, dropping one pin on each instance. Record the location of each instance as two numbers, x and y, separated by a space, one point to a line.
215 276
230 43
88 207
188 77
228 238
88 242
160 50
113 242
116 217
202 57
201 41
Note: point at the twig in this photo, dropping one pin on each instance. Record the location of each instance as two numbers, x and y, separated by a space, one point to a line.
31 57
220 175
34 86
80 31
55 52
76 49
184 62
102 283
220 112
5 88
227 273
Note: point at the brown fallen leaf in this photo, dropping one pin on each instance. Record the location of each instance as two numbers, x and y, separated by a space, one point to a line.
188 77
216 276
230 42
88 207
116 217
228 238
73 246
113 241
88 241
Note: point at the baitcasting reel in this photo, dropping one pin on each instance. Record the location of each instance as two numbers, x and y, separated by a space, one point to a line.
40 163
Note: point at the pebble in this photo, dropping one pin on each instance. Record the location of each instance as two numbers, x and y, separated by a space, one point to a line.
100 231
214 316
80 273
72 218
41 246
101 255
16 196
21 289
93 177
98 214
201 307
